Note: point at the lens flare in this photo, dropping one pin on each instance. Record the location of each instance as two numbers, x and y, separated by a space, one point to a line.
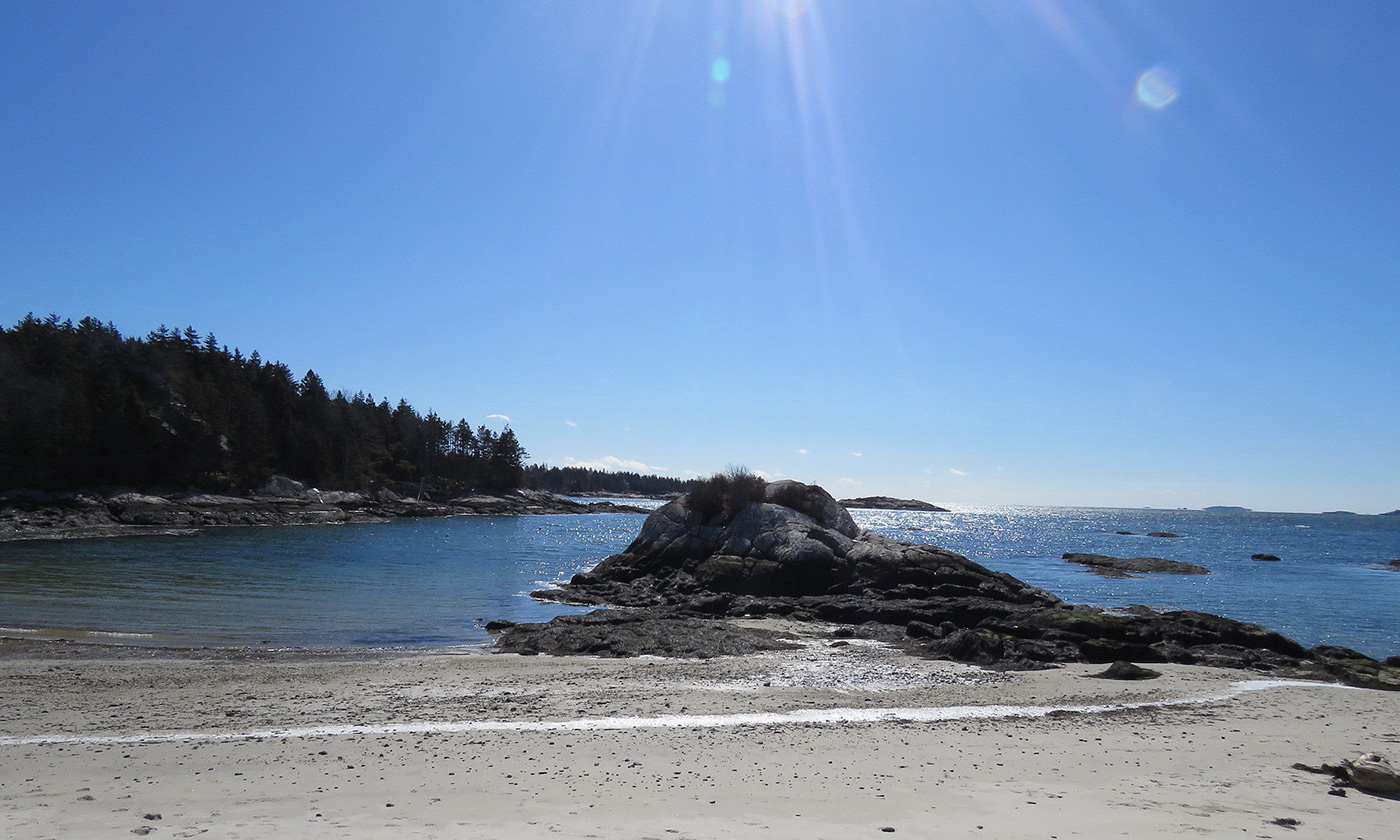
720 70
1158 87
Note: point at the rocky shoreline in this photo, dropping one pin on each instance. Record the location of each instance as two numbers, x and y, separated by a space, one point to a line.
33 515
793 552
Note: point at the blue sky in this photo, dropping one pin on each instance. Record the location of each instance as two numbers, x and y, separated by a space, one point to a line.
941 250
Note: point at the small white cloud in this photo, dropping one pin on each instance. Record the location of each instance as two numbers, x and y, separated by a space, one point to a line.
801 452
857 454
928 471
498 417
571 424
612 463
845 480
768 476
955 471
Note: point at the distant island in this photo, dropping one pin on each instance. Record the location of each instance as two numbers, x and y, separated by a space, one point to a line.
1228 509
889 503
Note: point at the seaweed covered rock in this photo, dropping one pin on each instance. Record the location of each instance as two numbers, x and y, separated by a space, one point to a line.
616 633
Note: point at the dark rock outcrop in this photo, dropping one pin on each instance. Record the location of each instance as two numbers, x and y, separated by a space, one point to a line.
1135 564
616 633
890 503
795 552
1267 558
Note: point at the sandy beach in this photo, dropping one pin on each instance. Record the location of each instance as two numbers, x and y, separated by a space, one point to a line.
828 741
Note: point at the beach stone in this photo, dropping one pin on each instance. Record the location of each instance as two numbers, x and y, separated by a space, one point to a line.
1125 670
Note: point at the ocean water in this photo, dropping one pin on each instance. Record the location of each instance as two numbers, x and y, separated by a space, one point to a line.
431 583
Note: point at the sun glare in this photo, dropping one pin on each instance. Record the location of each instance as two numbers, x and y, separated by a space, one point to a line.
790 9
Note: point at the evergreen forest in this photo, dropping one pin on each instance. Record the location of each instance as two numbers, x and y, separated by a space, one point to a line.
83 406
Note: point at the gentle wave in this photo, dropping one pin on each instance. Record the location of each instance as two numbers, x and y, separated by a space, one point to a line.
71 633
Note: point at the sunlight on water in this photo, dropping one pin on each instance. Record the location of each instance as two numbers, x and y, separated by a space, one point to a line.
1323 591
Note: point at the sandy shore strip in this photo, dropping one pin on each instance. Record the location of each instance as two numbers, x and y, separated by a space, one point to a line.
824 742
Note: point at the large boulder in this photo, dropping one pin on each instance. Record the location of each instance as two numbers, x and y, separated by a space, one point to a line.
794 541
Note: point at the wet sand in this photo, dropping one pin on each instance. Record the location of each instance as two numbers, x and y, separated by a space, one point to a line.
825 742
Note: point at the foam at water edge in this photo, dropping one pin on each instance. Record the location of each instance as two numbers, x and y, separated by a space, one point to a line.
938 714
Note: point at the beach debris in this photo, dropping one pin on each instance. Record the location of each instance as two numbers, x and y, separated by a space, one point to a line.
1372 773
1125 670
1369 773
1287 822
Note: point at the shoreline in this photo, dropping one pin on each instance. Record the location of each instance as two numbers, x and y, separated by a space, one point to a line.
795 744
26 516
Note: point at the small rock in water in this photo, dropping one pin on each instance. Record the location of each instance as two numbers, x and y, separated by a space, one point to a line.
1269 558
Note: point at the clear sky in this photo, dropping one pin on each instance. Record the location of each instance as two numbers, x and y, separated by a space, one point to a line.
1013 251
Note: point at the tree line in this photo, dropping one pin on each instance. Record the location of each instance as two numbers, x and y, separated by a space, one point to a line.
576 480
83 406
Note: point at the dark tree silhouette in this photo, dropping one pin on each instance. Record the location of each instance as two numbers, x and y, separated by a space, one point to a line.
83 406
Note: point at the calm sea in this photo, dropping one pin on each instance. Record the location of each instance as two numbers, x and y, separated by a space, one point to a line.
433 582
